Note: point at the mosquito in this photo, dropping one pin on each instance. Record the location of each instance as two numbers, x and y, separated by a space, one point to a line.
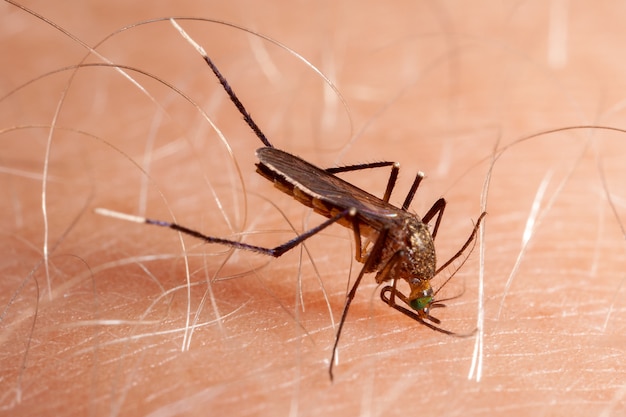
403 244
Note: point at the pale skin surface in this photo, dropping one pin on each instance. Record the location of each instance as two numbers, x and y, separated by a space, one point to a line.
103 331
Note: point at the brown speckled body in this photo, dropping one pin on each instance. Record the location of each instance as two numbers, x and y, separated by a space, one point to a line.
407 237
390 241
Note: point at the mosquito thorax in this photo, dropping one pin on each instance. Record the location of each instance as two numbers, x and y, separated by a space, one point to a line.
420 250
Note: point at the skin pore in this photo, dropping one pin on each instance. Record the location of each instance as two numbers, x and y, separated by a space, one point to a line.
101 316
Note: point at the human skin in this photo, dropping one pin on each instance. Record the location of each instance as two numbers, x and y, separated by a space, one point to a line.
102 324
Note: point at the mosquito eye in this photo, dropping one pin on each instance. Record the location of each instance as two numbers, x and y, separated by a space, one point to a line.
421 303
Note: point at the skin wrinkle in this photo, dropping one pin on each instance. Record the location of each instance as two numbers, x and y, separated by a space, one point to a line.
436 86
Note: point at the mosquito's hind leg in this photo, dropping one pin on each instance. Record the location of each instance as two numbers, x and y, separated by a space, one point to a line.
391 182
225 85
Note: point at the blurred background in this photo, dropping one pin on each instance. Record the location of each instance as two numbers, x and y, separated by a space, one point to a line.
104 104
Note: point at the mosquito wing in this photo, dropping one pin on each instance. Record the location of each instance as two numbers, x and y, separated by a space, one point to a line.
326 187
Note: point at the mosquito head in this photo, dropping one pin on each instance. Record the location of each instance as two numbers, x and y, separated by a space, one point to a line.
421 297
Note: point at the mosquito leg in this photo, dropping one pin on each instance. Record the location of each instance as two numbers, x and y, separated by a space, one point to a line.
391 182
413 315
384 273
437 208
392 298
275 252
378 246
391 301
359 167
409 197
465 245
358 246
225 85
393 177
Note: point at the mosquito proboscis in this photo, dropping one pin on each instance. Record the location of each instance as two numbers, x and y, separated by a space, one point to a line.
402 244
